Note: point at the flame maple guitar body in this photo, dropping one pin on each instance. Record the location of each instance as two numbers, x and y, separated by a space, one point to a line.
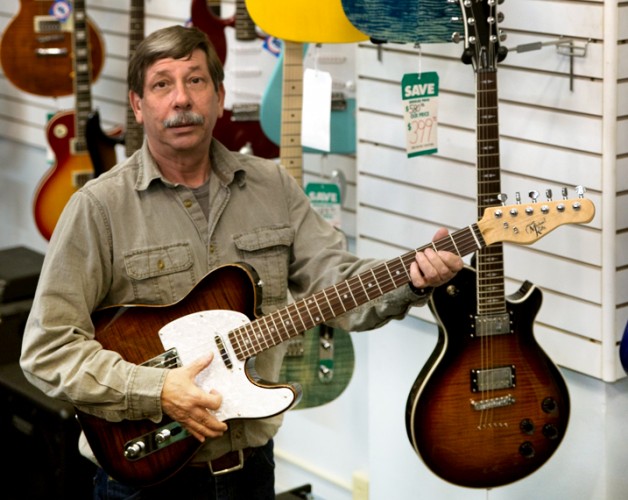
70 171
486 410
36 51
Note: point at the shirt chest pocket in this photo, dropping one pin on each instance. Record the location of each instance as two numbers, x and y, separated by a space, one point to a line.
268 251
160 275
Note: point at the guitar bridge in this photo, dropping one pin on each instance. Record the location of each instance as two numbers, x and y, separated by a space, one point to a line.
168 359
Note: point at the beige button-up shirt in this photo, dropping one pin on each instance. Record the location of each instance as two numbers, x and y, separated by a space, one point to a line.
132 237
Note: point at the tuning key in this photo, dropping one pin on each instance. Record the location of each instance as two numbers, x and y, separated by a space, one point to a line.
580 190
534 195
548 194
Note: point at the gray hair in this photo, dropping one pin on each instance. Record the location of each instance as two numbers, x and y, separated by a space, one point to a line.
176 42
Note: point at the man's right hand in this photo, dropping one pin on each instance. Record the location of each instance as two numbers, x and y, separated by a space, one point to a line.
183 401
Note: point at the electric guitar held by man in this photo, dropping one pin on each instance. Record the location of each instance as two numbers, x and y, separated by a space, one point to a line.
226 302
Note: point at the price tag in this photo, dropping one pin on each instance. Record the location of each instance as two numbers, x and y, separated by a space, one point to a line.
316 112
420 105
325 199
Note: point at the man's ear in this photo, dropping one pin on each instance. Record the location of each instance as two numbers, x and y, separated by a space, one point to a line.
135 102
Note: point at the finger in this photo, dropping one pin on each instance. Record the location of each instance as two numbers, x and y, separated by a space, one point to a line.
199 364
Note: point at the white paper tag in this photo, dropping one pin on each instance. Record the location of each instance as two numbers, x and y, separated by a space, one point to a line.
420 111
316 113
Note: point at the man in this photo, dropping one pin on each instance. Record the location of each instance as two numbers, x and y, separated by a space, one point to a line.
148 230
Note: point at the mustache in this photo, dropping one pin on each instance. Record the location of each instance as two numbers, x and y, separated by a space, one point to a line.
183 119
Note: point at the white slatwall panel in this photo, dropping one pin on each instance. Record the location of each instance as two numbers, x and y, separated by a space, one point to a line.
551 136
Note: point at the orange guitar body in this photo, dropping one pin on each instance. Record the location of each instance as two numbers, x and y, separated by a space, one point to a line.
71 170
37 54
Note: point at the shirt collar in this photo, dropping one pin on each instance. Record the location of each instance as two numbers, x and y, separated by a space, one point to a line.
225 166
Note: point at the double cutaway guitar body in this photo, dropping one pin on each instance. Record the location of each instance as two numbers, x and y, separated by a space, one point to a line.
489 406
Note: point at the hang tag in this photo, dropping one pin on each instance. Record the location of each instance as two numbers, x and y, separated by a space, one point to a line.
325 199
419 92
316 113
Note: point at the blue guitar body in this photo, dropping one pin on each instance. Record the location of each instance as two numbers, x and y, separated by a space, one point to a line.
342 127
405 21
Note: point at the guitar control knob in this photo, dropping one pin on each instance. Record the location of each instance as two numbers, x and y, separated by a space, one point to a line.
162 436
550 431
526 449
526 426
134 450
548 405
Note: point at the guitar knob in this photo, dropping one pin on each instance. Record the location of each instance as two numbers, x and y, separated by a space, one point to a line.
550 431
527 426
526 449
162 436
548 405
134 450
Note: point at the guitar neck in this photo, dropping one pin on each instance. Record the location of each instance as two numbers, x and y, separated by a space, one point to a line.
82 75
302 315
134 134
291 150
490 260
244 25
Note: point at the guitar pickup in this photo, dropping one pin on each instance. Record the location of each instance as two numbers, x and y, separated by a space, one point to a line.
496 324
491 379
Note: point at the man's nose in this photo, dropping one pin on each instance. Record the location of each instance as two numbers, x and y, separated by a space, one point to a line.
182 95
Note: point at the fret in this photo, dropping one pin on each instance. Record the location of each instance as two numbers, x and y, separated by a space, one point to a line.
244 25
298 315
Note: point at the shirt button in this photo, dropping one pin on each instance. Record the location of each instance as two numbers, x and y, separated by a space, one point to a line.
212 249
160 265
187 203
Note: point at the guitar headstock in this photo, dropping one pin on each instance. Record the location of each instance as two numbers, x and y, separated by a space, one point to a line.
481 33
524 224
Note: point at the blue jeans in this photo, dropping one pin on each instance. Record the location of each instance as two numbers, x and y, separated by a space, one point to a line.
255 481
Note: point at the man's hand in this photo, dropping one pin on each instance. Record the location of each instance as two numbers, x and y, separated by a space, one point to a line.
185 402
431 268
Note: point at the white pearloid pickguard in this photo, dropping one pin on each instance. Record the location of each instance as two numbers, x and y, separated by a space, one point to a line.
194 336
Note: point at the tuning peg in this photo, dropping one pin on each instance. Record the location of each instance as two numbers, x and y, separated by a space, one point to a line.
518 198
580 190
565 193
502 197
534 195
548 194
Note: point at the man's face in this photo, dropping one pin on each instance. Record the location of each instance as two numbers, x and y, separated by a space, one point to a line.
180 105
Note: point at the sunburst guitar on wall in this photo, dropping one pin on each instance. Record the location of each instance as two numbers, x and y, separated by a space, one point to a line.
36 49
248 58
66 136
489 407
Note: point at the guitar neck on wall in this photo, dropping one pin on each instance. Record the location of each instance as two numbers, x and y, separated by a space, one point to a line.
489 407
100 144
66 135
36 50
239 127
